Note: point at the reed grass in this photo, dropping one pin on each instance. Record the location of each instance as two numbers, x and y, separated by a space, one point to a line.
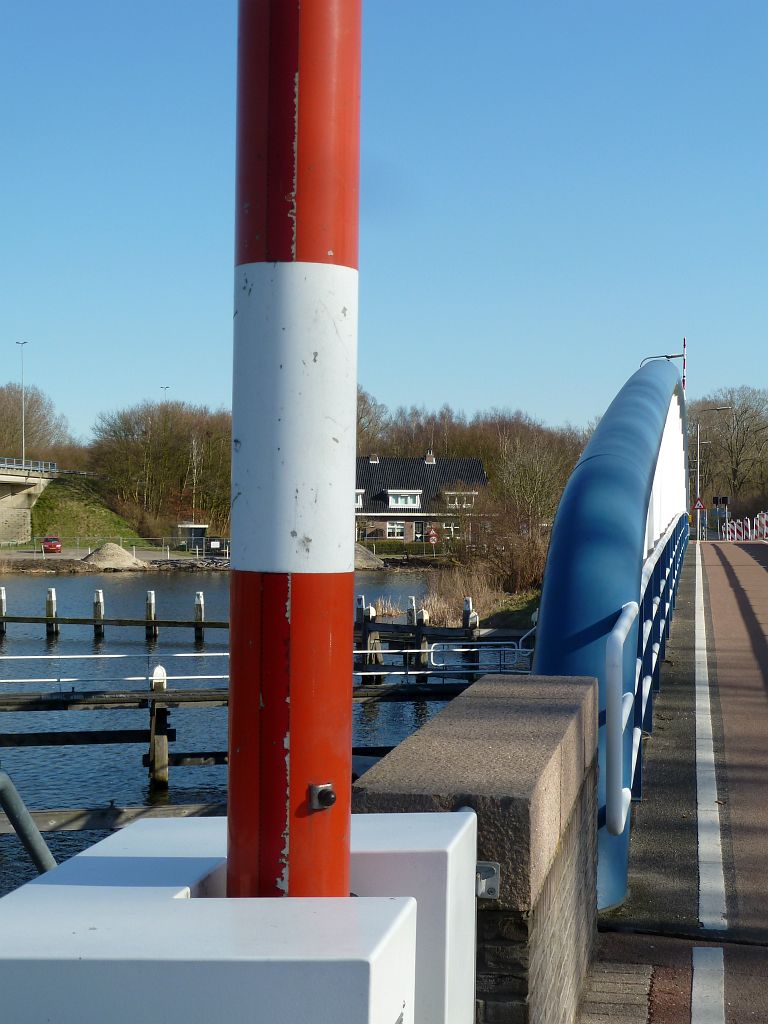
386 608
447 589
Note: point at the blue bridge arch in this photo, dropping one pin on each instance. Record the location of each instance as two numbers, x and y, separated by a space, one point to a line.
616 548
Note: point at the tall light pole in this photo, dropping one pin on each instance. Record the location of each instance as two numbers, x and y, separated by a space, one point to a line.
164 389
712 408
21 344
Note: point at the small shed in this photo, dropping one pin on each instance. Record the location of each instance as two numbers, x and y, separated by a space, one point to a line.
192 536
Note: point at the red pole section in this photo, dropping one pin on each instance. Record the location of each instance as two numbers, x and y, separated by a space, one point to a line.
293 440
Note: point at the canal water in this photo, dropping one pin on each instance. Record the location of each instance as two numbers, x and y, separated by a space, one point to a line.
95 775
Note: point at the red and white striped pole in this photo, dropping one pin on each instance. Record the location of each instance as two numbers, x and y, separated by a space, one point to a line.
293 439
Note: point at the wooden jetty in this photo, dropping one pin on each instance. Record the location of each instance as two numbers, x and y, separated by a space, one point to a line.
151 623
413 640
417 623
158 702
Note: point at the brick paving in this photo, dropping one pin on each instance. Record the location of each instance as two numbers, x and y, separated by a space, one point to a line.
616 993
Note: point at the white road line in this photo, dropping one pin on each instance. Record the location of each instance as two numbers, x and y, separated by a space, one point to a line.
712 909
708 990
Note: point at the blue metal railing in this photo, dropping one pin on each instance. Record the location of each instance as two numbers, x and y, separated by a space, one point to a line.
28 465
599 547
630 711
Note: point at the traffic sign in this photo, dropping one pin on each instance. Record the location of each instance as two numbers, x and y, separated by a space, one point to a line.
432 536
699 506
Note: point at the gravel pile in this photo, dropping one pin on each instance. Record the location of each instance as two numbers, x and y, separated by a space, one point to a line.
112 556
365 559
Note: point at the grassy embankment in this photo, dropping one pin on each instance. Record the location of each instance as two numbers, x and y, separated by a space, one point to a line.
73 508
514 611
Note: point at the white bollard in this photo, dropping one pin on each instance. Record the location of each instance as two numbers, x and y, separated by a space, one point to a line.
151 615
159 679
199 615
98 614
51 628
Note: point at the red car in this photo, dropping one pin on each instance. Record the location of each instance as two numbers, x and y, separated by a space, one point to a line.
51 546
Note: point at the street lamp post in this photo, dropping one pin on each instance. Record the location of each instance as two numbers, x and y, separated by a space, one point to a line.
699 443
713 408
164 389
21 344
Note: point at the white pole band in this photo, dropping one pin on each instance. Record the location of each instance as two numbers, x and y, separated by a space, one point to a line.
293 418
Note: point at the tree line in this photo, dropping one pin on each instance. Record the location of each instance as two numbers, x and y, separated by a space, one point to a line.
729 428
158 463
163 462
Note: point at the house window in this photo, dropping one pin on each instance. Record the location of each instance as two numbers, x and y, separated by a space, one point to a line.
404 499
460 499
395 531
450 530
418 531
359 499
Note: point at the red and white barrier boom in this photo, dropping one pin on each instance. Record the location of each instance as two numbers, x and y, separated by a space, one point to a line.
293 459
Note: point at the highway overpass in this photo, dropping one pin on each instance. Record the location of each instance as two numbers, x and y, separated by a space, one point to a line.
21 484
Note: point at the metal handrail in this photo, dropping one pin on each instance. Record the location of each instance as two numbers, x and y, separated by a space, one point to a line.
24 825
22 464
435 666
145 677
521 665
620 702
617 796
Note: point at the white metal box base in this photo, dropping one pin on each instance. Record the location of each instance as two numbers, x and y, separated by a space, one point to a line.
136 929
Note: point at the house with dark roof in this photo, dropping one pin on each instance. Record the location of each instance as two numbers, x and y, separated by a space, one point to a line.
405 498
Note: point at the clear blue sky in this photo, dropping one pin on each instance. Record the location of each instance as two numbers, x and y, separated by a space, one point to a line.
550 192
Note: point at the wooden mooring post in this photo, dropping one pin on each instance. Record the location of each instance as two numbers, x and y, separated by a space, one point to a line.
418 618
98 614
3 611
158 733
422 623
51 628
199 616
151 630
469 618
371 640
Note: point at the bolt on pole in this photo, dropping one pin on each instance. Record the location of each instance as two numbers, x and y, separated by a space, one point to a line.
293 457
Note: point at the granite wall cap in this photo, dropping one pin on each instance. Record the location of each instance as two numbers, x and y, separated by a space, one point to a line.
516 749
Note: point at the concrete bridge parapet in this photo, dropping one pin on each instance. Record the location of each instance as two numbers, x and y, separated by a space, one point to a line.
15 525
522 752
18 493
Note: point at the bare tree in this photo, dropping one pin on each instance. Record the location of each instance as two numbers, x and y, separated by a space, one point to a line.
44 428
372 422
736 462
